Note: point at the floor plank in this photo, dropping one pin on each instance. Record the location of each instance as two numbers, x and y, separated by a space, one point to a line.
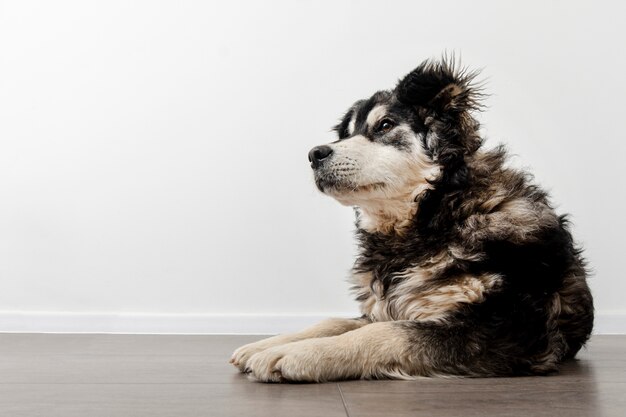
116 344
99 369
170 400
451 399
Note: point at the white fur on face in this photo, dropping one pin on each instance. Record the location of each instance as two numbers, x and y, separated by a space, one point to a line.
352 124
371 170
376 114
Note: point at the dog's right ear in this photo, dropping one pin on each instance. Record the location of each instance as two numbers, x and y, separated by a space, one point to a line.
439 86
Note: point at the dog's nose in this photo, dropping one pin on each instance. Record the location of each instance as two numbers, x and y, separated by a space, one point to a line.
318 154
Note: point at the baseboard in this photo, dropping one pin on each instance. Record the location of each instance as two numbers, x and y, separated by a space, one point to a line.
46 322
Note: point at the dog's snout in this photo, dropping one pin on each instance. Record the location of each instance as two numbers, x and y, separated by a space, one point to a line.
318 154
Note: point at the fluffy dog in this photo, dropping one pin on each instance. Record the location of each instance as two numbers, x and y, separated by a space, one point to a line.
464 268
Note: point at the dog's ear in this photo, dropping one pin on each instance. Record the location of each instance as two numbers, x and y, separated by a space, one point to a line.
439 86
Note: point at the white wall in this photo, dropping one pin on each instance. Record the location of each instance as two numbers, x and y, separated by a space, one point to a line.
153 153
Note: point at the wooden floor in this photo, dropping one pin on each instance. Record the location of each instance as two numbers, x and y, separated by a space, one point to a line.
180 376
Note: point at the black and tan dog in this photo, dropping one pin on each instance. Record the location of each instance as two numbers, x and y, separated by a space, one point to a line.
464 268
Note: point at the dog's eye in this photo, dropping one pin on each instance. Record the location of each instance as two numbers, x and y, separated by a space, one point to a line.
385 126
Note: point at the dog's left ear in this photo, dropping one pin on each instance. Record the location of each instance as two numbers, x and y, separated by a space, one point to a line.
439 86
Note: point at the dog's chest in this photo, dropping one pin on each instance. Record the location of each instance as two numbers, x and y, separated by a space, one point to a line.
416 294
393 297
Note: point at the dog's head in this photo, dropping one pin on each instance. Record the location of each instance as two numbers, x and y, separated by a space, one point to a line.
396 144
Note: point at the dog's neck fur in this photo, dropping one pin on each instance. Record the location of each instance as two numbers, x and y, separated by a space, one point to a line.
390 215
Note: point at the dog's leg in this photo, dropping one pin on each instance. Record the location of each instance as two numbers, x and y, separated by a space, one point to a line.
329 327
397 350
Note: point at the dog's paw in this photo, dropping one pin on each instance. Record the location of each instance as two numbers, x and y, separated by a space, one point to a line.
263 366
241 356
298 361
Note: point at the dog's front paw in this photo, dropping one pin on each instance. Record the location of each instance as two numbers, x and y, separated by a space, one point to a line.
241 356
264 366
297 361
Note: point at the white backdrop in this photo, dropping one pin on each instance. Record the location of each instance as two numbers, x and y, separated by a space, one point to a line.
153 154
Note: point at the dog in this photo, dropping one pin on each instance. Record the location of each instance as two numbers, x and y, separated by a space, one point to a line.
464 268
